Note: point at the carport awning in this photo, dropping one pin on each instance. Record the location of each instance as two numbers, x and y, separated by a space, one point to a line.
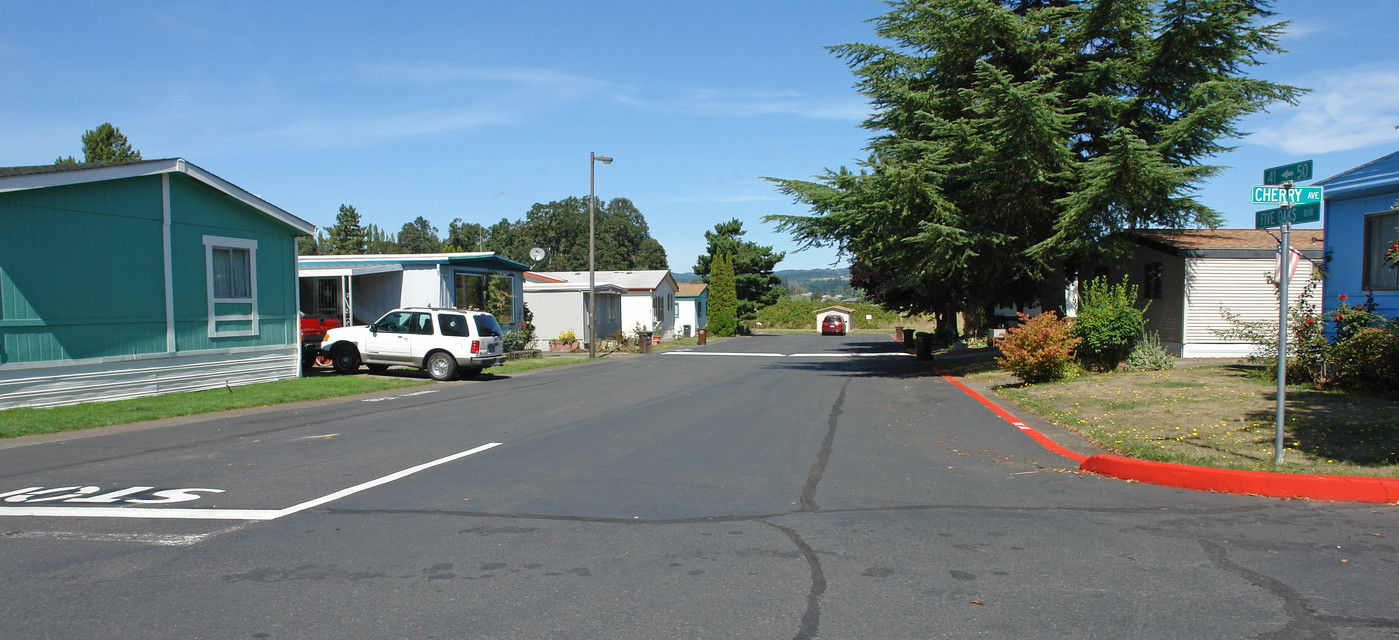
328 272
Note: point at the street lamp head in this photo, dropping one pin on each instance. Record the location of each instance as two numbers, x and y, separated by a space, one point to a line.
603 159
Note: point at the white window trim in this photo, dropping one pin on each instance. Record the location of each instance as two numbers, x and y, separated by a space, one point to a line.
221 242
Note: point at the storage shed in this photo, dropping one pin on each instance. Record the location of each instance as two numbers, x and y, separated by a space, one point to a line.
844 312
120 280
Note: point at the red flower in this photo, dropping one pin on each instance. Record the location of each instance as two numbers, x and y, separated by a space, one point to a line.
1343 297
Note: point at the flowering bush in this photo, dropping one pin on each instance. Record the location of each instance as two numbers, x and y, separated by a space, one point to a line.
1368 359
1041 349
1350 320
566 337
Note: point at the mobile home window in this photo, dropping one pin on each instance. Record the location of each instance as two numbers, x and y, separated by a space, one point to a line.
1380 234
1152 275
230 272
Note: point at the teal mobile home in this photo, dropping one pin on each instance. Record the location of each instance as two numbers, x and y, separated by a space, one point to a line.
125 280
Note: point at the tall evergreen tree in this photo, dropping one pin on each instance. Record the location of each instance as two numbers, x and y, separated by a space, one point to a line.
723 297
104 144
347 235
1016 136
379 241
752 263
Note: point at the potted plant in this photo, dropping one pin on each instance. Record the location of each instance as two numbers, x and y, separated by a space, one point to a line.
566 341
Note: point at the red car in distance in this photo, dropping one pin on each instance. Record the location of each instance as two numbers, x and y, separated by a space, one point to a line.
833 325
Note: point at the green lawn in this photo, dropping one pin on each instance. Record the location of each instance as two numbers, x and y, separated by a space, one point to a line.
1216 416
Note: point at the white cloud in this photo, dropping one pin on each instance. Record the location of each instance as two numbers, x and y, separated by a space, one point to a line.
1347 109
734 103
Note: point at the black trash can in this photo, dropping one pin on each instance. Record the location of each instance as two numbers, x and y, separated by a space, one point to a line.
643 341
925 346
908 338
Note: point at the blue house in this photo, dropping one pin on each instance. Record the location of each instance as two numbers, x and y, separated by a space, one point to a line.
1361 225
135 279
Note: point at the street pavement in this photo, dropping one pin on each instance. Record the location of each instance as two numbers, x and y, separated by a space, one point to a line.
765 487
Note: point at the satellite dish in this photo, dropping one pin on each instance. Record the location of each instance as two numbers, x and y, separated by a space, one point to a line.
536 254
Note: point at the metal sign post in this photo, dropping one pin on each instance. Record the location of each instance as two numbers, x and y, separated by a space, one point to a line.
1284 249
1295 204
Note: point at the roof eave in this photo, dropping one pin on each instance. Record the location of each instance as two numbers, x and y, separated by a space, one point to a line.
151 168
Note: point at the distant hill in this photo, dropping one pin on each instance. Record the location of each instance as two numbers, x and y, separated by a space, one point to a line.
834 282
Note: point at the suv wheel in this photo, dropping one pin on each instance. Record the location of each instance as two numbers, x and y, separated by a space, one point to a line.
442 366
344 359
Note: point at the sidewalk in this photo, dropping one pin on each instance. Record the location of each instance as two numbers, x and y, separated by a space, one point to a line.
1064 442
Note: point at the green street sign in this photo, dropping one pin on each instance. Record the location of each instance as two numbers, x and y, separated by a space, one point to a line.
1270 194
1288 172
1296 214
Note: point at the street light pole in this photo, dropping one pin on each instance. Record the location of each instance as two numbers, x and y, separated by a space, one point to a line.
593 159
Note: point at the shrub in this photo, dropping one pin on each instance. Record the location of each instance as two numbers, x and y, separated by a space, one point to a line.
566 337
1041 349
1149 355
1369 359
521 337
1107 322
1350 320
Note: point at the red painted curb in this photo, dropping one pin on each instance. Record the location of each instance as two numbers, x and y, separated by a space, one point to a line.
1274 485
1182 476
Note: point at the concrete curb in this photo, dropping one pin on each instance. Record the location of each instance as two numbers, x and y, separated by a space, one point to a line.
1181 476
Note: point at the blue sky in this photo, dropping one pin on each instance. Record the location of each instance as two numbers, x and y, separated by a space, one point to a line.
479 110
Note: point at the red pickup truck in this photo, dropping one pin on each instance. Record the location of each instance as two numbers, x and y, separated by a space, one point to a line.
312 331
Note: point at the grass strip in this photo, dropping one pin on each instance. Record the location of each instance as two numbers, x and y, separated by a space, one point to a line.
26 421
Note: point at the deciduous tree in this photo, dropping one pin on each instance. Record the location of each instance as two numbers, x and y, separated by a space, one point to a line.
419 236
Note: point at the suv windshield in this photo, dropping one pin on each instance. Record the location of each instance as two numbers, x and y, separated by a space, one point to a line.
487 326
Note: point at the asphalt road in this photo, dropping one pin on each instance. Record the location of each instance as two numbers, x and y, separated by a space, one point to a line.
764 487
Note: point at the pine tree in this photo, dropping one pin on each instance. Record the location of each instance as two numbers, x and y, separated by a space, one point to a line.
347 235
104 144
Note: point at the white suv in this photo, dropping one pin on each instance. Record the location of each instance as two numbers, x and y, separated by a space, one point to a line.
445 342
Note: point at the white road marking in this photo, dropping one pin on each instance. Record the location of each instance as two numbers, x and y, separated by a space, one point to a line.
229 514
405 395
159 539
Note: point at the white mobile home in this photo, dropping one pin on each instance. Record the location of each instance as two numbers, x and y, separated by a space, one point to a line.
649 303
1190 275
560 306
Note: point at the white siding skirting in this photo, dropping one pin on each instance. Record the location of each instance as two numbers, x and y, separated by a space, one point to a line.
103 380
